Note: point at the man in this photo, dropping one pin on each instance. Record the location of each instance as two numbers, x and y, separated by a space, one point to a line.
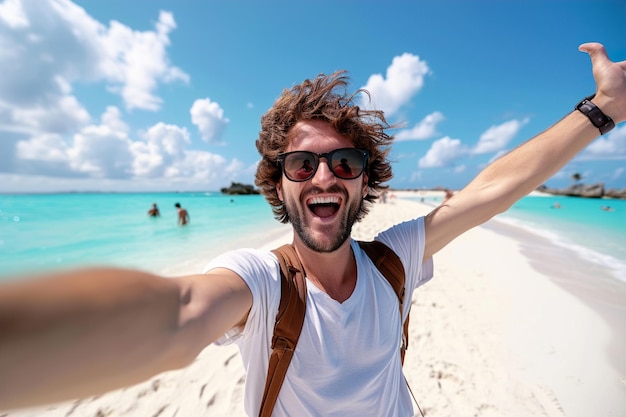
183 215
85 332
154 211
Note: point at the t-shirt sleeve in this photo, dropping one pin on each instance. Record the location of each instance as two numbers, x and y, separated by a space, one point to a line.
408 240
260 271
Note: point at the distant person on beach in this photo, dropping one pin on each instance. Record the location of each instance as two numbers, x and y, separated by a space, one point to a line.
183 215
324 161
154 211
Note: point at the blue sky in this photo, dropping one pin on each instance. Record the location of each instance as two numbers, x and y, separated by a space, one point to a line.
167 95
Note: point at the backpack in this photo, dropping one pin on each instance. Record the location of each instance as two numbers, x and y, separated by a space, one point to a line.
292 307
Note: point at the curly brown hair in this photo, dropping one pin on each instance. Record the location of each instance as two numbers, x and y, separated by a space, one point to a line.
323 98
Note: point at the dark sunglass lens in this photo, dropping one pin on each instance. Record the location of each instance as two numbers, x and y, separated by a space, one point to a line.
299 166
347 163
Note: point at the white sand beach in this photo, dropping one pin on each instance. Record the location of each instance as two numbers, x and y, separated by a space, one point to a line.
495 333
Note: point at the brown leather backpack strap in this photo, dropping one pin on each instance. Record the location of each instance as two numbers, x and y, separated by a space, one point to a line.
288 325
390 265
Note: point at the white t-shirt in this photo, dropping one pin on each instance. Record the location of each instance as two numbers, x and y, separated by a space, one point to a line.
347 360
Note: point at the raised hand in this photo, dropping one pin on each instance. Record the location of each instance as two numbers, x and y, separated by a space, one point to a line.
610 81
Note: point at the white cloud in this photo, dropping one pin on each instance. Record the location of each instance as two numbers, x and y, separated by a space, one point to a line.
48 45
425 129
163 148
101 152
405 77
66 114
106 152
97 151
442 153
610 146
202 165
209 117
12 13
498 137
46 48
137 61
47 147
113 118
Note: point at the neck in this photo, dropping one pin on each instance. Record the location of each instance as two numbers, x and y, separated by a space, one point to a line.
334 272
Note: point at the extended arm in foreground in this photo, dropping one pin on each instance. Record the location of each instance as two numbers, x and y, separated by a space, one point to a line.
86 332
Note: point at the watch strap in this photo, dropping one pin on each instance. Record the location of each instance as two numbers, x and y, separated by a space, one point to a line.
595 115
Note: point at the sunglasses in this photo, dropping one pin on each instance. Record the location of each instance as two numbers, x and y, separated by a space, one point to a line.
345 163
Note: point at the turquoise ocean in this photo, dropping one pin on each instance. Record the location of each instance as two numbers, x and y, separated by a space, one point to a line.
43 232
592 230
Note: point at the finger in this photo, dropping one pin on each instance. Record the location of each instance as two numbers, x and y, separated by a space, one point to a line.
596 52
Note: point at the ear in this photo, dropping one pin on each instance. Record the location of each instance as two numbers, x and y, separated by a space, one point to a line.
365 187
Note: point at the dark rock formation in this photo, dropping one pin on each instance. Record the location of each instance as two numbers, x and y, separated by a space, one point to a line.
582 190
615 193
237 188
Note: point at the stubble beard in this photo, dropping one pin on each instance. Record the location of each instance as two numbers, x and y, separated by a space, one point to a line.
301 227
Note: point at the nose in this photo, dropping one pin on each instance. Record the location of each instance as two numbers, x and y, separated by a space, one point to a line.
323 175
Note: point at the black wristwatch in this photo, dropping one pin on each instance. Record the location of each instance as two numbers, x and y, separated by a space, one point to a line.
593 112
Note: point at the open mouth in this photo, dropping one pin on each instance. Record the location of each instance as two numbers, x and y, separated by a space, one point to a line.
324 206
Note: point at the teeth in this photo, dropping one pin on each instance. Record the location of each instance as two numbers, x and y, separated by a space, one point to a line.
324 200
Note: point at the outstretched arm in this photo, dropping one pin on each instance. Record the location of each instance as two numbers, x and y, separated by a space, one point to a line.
522 170
88 331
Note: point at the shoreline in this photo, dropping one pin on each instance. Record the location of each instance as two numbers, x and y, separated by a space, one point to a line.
596 288
567 325
501 330
267 238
